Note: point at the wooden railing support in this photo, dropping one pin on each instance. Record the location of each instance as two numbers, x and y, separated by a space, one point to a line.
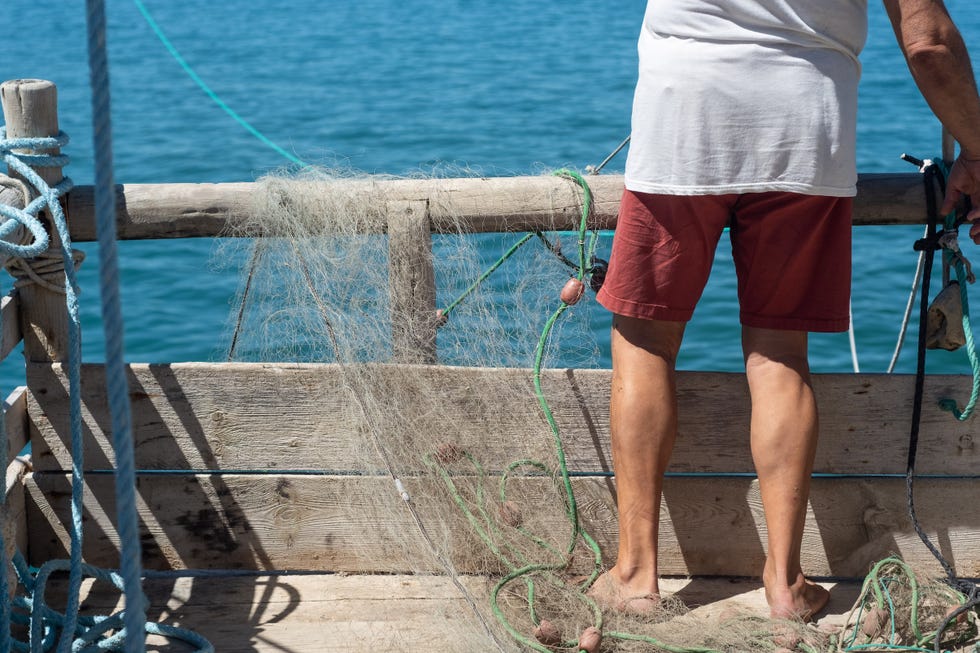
412 285
30 110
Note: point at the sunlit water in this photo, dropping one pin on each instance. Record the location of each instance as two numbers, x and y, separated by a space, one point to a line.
510 87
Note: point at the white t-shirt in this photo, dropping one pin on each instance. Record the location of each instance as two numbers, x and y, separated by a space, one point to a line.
739 96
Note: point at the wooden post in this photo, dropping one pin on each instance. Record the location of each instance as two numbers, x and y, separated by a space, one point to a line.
949 147
411 282
30 110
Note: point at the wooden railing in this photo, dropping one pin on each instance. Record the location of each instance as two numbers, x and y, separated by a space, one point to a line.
473 204
222 433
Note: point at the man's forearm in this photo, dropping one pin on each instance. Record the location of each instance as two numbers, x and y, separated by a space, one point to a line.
940 65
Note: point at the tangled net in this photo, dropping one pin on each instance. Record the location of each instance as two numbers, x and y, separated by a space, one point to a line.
897 611
473 445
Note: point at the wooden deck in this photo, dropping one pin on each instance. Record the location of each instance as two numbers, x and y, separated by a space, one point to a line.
366 614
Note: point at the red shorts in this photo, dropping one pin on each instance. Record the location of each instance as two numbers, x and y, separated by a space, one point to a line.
792 257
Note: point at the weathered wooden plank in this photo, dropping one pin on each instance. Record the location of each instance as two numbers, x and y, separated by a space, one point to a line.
10 336
474 204
360 524
370 613
239 416
14 512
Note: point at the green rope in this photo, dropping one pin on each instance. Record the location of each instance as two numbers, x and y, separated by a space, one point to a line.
486 274
971 351
875 590
956 260
484 525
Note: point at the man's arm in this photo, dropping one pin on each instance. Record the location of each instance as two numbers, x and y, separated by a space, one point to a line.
940 66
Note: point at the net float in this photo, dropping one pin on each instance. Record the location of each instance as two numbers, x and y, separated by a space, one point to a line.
572 291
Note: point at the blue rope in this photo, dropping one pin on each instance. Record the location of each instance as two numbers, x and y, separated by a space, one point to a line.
27 217
48 197
81 633
118 392
78 633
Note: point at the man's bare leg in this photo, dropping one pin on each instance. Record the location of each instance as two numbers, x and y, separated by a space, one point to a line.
643 426
784 442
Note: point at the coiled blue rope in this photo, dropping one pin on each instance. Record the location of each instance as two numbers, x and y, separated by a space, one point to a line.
48 199
77 633
45 624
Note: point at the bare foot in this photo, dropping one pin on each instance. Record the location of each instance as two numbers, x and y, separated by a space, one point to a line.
613 593
801 600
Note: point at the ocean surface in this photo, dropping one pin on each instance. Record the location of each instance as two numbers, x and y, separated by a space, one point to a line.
407 88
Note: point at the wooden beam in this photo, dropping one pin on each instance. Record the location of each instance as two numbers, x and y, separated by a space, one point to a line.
471 204
247 416
10 335
359 524
14 512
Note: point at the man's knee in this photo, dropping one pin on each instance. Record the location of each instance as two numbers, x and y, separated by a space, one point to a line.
657 337
771 349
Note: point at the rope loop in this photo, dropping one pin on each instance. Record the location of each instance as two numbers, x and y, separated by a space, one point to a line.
38 194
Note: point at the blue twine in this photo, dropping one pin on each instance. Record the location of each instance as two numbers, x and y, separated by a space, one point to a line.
207 89
118 392
89 632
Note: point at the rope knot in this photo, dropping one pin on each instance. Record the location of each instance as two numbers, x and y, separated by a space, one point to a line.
949 241
38 195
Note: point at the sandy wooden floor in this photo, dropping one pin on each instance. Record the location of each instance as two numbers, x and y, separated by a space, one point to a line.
314 613
361 614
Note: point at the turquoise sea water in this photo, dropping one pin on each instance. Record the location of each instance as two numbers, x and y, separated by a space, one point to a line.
510 87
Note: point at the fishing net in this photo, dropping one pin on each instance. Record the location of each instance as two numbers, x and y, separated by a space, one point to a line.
898 610
469 469
467 443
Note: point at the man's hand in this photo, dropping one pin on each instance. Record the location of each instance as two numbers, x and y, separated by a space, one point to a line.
964 181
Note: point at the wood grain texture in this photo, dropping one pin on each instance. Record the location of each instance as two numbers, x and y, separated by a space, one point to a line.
241 416
357 524
10 335
477 204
